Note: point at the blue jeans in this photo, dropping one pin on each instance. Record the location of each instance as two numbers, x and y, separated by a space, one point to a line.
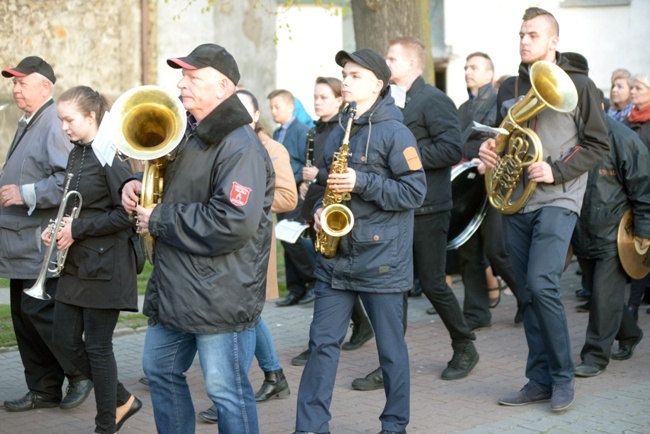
538 242
225 360
264 349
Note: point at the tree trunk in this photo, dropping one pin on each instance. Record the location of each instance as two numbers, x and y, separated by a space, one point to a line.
376 22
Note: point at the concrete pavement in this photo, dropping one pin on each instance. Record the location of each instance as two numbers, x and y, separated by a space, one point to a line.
614 402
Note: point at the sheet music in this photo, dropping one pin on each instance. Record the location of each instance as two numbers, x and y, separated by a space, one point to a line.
103 143
492 130
289 230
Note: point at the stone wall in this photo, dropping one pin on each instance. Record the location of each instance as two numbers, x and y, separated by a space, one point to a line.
96 43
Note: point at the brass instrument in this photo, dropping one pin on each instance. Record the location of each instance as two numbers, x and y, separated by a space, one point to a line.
336 220
634 259
151 123
38 290
521 146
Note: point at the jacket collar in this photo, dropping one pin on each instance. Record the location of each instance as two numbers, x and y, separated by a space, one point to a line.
224 119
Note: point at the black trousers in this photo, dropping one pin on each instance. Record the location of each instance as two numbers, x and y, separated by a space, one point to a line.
608 318
495 249
45 366
85 336
429 257
299 258
472 265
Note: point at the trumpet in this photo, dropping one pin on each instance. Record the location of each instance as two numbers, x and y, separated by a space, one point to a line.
38 290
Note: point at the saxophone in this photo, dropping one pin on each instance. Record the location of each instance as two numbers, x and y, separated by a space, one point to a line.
336 219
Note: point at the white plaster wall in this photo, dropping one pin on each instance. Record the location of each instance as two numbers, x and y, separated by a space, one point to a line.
308 39
609 37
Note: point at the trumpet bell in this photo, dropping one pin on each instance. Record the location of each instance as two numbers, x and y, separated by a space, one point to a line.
151 122
38 291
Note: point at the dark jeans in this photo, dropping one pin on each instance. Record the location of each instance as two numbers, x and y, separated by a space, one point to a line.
332 310
537 242
608 318
45 366
85 336
429 255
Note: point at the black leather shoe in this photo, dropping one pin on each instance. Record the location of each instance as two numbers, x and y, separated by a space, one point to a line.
301 359
29 401
584 307
76 394
310 432
136 405
583 294
361 333
275 385
624 352
289 300
209 415
309 297
384 431
586 370
372 381
144 380
519 316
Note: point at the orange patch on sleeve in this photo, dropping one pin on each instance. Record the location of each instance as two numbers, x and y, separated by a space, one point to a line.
412 158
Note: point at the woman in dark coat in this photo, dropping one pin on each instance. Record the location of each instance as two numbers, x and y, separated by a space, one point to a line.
99 278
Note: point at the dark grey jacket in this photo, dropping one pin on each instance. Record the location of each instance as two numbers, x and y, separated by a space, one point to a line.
213 228
482 109
620 181
37 166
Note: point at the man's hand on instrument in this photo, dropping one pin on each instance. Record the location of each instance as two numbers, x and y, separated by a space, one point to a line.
302 190
487 155
131 195
480 166
317 214
309 173
644 243
143 218
46 235
342 182
10 195
540 172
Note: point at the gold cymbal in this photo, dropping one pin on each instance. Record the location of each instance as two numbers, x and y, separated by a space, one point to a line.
636 263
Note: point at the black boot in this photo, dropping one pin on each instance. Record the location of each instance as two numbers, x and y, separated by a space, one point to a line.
463 361
76 394
275 384
372 381
361 333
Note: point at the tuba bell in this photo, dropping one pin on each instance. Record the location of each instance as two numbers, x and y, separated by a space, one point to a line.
521 146
150 124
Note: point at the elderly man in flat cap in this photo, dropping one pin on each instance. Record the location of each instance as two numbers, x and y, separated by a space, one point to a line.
213 238
31 188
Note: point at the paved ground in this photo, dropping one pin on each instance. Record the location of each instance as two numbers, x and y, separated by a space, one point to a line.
614 402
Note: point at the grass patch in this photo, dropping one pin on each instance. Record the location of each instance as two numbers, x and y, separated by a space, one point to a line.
7 336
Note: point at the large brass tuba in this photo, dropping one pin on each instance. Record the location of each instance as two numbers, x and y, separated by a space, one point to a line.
521 147
336 220
150 124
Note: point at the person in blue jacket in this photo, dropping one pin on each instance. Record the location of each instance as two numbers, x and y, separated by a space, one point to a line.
375 260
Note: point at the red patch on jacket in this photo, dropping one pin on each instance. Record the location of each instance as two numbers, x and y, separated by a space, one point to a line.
239 194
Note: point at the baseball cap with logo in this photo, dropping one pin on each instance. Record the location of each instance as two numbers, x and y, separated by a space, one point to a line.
209 55
30 65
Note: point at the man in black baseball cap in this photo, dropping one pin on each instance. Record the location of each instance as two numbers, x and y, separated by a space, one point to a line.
209 55
368 59
30 65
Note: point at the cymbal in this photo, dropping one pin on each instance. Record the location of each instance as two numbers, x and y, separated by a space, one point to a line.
635 262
